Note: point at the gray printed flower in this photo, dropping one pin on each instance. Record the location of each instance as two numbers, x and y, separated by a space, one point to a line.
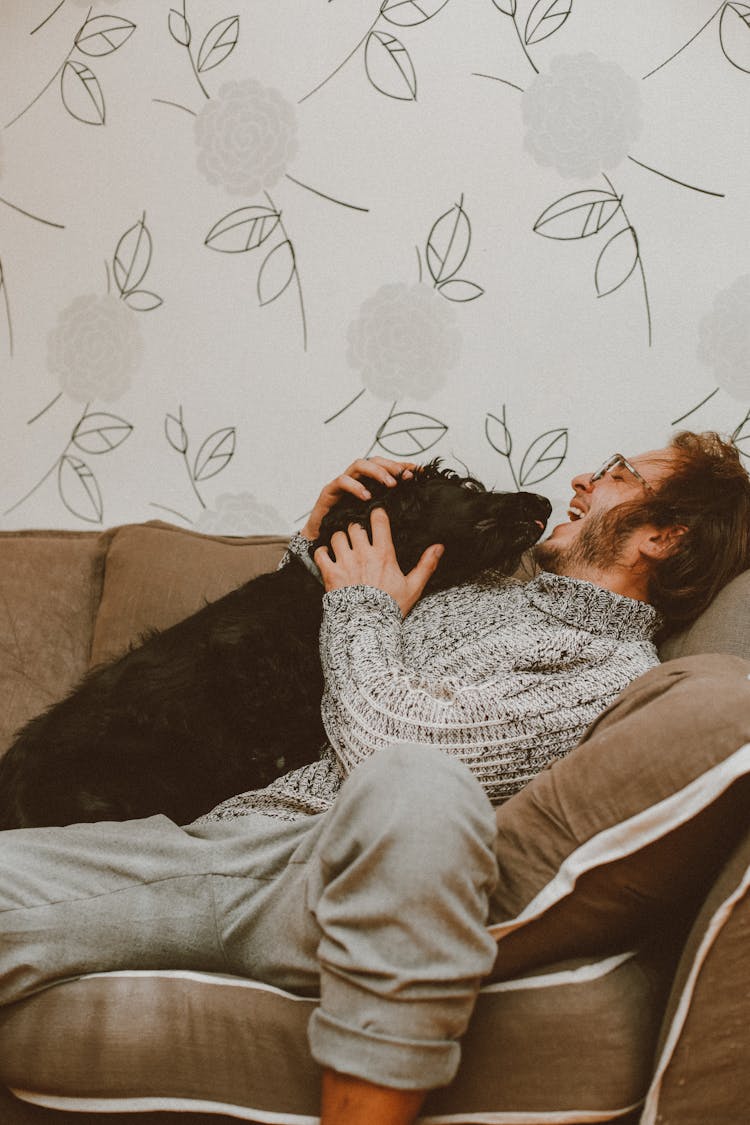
94 348
404 341
246 137
724 338
582 116
239 513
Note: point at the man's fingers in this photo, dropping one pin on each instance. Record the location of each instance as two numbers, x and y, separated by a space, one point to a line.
425 568
323 561
381 529
357 534
340 544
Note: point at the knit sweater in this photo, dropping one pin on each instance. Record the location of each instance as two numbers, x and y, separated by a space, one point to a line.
502 674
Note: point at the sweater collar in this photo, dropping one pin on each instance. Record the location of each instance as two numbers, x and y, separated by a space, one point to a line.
586 606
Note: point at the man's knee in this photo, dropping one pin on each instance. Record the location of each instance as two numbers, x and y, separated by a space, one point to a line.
418 806
419 780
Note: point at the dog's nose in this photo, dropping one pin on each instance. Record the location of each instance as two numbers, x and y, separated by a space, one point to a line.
538 507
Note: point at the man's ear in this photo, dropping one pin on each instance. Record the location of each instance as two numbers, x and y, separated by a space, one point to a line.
661 542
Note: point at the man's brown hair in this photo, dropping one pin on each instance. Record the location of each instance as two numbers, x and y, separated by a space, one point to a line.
708 494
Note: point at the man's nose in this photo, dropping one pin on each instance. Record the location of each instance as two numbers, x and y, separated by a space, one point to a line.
583 482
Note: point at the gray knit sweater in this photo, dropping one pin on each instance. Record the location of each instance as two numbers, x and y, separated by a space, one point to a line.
504 675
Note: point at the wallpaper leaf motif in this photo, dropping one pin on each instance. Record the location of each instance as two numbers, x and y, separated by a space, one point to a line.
247 228
734 35
578 215
79 490
80 91
542 458
77 487
100 432
102 35
389 67
409 13
218 43
409 433
617 260
214 454
545 18
276 273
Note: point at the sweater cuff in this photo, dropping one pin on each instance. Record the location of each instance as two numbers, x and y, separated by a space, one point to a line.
347 597
299 548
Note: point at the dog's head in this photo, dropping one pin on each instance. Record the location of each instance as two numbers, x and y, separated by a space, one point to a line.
479 529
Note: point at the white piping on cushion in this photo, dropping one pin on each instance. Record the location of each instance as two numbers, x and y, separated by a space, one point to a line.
195 1105
714 928
631 835
198 977
580 975
594 970
174 1105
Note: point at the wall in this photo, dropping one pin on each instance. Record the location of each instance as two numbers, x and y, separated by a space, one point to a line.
243 243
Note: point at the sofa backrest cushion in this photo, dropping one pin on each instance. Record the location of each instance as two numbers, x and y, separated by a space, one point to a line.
723 627
631 827
157 574
50 585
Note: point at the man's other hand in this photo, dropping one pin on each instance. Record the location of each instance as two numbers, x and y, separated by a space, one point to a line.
359 562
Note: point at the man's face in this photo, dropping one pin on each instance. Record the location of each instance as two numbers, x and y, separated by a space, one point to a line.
588 545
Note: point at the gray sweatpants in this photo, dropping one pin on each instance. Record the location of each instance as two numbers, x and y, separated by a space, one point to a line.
379 905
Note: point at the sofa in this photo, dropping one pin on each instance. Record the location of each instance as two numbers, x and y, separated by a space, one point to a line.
622 989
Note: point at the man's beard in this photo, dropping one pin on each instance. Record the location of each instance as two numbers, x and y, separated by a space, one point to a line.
597 547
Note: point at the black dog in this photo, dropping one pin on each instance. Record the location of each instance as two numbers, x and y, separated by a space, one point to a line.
229 698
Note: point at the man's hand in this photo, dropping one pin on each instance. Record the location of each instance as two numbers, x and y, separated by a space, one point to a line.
352 481
362 563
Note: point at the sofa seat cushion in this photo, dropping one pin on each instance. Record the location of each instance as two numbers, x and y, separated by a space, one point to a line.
158 574
180 1040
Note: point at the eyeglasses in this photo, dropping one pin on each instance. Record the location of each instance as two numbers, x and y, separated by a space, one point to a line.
617 461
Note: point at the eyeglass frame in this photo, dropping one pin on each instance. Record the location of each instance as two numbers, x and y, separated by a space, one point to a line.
618 459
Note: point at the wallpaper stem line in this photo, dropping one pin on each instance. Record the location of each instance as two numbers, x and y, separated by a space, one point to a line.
31 215
693 409
177 105
638 260
342 64
672 179
684 45
47 18
6 305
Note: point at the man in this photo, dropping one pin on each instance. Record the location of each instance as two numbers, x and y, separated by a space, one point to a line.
380 902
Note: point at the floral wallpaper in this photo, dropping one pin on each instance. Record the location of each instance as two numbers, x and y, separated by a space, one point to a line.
243 243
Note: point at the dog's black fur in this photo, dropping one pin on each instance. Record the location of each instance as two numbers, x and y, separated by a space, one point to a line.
229 698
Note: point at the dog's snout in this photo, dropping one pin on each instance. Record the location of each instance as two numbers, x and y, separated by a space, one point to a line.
538 507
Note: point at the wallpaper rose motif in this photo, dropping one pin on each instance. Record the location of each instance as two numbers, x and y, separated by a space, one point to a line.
240 513
404 341
582 116
246 137
94 348
724 338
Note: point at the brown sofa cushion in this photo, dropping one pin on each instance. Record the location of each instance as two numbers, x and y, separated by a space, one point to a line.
723 627
130 1040
702 1073
158 574
631 827
50 584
